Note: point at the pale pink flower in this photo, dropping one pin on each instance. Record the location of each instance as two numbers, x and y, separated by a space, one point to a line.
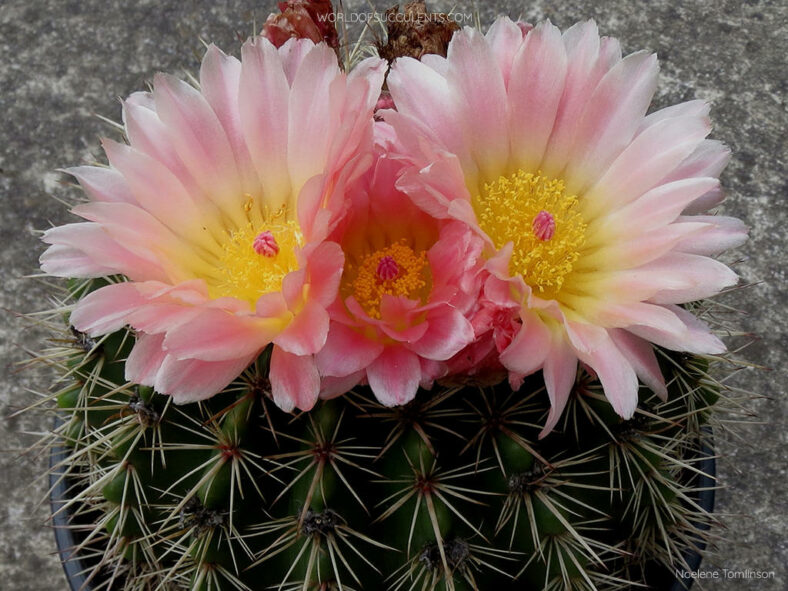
404 294
541 143
216 211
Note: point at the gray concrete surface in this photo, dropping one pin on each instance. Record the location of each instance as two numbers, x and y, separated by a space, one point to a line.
65 61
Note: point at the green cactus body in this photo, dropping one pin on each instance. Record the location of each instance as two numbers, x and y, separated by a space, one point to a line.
453 492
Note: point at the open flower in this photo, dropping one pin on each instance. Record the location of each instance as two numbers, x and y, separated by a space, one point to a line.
541 143
404 293
216 211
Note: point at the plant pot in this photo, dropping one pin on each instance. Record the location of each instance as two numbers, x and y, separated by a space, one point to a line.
78 568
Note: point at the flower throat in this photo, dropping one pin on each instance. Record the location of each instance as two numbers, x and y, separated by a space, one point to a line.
541 220
256 257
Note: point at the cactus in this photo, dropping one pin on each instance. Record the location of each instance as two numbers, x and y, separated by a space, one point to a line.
453 491
470 485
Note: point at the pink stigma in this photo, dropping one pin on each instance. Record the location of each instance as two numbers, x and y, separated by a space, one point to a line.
388 268
544 225
265 244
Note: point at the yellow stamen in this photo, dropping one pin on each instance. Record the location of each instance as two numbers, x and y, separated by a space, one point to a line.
403 273
516 209
246 274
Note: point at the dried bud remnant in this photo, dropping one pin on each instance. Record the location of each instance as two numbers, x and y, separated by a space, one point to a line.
302 19
416 32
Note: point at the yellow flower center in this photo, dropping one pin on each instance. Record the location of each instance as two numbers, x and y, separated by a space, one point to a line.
256 257
541 220
396 270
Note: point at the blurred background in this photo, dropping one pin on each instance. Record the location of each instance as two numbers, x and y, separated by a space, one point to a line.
66 63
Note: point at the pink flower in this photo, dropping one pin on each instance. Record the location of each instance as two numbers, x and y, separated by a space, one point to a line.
540 142
217 212
494 325
404 294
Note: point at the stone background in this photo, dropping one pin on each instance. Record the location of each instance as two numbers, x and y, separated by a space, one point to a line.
66 61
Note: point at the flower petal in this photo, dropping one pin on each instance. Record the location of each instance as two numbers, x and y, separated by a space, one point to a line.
148 180
311 122
696 338
220 83
325 263
560 371
263 104
218 335
331 387
423 94
595 348
394 376
148 134
306 334
640 354
611 117
535 90
724 233
505 39
295 382
702 277
448 332
529 348
106 309
102 184
661 205
145 359
585 67
650 156
85 250
346 352
190 380
473 74
199 139
60 260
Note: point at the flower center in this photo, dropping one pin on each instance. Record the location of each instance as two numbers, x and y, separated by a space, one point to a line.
255 258
541 220
388 269
395 270
265 244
